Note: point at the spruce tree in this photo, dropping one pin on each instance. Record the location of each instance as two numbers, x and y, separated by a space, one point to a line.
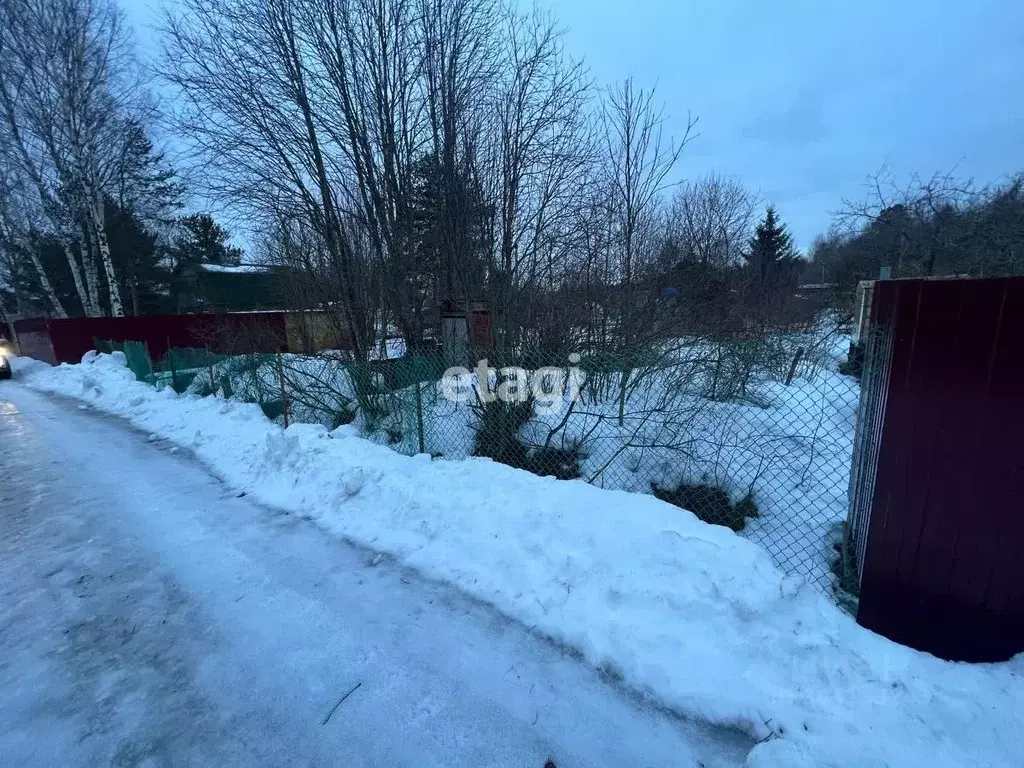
201 240
771 258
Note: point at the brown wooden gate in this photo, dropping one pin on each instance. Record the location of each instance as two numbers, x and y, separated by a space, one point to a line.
937 495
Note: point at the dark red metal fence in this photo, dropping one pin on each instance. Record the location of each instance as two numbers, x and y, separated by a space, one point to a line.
942 564
66 340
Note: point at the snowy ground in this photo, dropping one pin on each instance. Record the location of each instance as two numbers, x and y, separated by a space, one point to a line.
150 617
789 447
689 615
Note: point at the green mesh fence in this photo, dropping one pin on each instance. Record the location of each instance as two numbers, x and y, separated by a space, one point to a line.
180 367
138 360
136 354
750 431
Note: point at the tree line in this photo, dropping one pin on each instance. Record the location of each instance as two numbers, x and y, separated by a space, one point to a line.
930 227
418 152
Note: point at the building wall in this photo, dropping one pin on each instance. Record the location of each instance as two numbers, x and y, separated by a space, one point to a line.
314 330
71 338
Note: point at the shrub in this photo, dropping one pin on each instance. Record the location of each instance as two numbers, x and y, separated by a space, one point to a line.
182 380
498 430
852 368
202 386
343 416
844 567
710 504
272 409
562 463
747 507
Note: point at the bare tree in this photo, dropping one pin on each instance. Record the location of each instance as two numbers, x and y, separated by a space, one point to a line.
366 99
538 164
912 224
89 41
711 221
436 149
31 150
459 66
251 78
640 159
639 162
16 220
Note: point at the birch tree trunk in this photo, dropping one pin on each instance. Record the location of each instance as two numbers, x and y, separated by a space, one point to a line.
30 167
50 205
44 281
7 233
103 247
7 321
92 283
88 305
5 317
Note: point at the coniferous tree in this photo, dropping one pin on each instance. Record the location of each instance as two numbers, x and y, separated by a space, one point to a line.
450 227
202 240
771 259
144 182
140 265
142 274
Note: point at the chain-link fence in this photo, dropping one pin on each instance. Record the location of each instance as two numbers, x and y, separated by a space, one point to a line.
753 431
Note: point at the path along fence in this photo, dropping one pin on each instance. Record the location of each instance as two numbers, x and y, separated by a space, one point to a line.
751 431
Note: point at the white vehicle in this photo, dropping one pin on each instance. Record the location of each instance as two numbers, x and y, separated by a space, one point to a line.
5 364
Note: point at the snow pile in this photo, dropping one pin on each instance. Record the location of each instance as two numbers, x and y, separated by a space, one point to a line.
317 388
693 615
792 452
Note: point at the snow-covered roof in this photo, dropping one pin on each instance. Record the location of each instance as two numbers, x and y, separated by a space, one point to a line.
236 269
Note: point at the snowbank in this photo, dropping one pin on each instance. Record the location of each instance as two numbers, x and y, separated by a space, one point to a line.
788 446
693 615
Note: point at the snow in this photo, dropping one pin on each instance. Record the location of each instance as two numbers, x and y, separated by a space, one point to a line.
152 617
789 446
236 269
691 615
390 349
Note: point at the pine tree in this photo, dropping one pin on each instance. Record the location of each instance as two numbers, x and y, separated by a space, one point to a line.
450 227
771 258
133 247
202 240
146 185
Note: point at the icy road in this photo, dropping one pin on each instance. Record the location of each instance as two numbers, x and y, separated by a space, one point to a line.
150 617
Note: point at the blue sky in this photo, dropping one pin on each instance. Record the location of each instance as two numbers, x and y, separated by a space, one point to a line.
802 100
